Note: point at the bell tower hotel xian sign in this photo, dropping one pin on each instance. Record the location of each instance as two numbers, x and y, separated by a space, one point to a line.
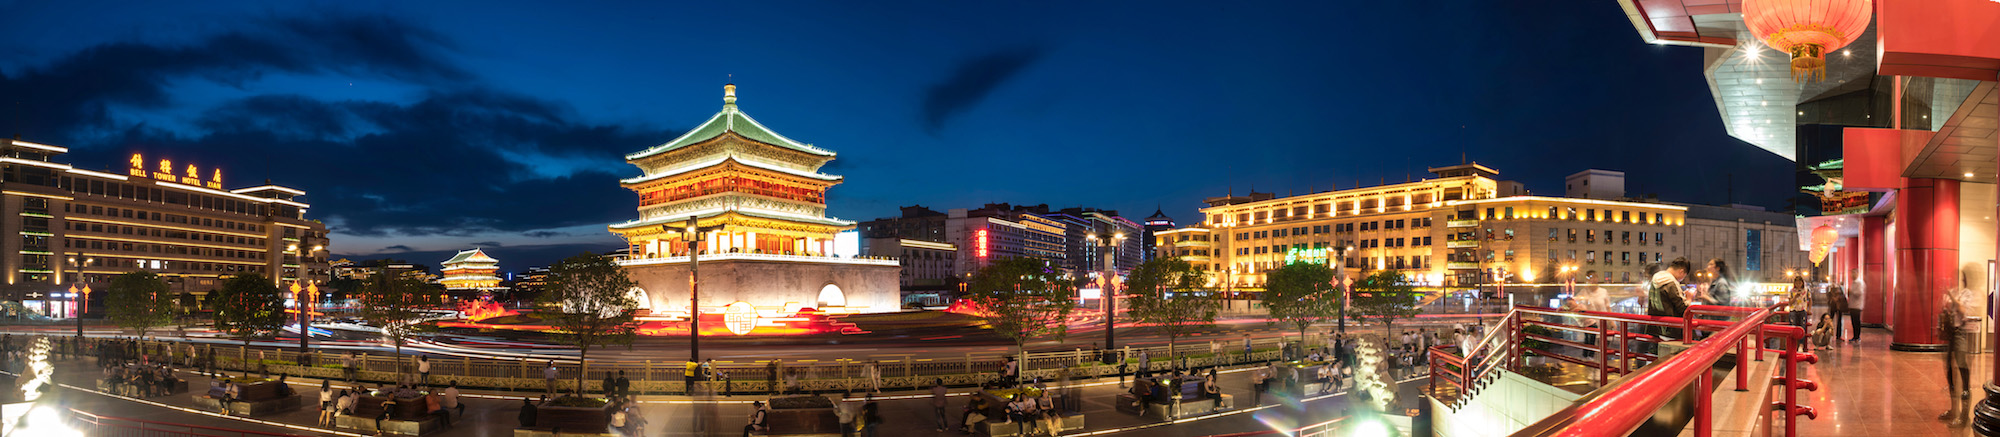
165 173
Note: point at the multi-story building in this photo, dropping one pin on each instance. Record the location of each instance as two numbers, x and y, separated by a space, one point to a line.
1154 224
1462 228
925 264
81 226
1757 244
916 223
1090 233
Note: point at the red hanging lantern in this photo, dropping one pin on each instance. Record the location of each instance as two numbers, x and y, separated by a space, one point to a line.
1823 238
1808 29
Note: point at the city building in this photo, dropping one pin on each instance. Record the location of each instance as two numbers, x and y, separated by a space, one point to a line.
1154 223
82 227
470 272
1595 184
927 265
753 205
916 223
1458 230
1902 106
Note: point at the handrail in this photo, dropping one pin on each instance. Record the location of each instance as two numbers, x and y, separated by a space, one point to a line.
99 420
1625 407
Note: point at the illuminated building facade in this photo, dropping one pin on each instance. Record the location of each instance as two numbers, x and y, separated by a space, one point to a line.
170 218
759 205
1455 230
470 271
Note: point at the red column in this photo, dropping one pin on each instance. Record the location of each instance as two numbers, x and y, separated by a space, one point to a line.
1926 260
1850 262
1874 278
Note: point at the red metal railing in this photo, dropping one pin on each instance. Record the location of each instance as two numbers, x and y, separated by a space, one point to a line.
96 425
1627 406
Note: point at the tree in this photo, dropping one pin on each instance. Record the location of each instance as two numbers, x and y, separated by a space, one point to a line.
1385 296
1301 293
588 302
139 301
247 306
1025 297
1165 294
394 303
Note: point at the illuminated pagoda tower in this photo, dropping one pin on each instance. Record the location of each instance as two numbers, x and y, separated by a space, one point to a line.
470 271
760 205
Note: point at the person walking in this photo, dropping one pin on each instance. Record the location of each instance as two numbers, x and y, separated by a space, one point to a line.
873 371
938 393
1958 350
1246 349
1836 306
549 375
771 376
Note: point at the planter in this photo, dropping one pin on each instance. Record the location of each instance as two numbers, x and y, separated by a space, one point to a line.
574 419
799 415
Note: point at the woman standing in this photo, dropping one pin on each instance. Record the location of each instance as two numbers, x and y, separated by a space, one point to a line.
1722 289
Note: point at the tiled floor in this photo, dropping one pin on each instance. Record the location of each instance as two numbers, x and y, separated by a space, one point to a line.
1868 390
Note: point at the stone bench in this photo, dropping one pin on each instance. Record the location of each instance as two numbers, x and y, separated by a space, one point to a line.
998 427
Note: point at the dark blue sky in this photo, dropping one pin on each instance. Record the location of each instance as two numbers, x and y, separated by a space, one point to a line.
429 126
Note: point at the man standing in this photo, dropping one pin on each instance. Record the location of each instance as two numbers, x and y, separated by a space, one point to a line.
938 393
1667 297
549 375
771 376
1246 349
1857 300
624 386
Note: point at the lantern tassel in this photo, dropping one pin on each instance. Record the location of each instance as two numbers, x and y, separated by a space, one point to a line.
1808 63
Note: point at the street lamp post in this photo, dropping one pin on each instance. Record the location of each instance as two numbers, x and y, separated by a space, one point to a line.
1110 295
1340 274
83 299
306 298
694 290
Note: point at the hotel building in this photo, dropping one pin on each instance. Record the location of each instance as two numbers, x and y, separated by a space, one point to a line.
1463 228
753 202
84 226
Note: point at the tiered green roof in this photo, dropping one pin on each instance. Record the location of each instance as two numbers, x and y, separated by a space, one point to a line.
730 120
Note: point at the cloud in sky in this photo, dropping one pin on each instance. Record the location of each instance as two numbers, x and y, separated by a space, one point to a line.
971 82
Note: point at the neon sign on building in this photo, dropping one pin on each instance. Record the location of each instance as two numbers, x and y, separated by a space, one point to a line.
166 173
979 242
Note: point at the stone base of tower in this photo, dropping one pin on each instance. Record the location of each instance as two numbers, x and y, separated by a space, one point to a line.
771 282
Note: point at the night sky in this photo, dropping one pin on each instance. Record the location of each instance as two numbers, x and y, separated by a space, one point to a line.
424 127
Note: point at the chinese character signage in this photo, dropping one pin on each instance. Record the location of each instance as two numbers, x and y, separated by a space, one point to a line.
1843 202
165 173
